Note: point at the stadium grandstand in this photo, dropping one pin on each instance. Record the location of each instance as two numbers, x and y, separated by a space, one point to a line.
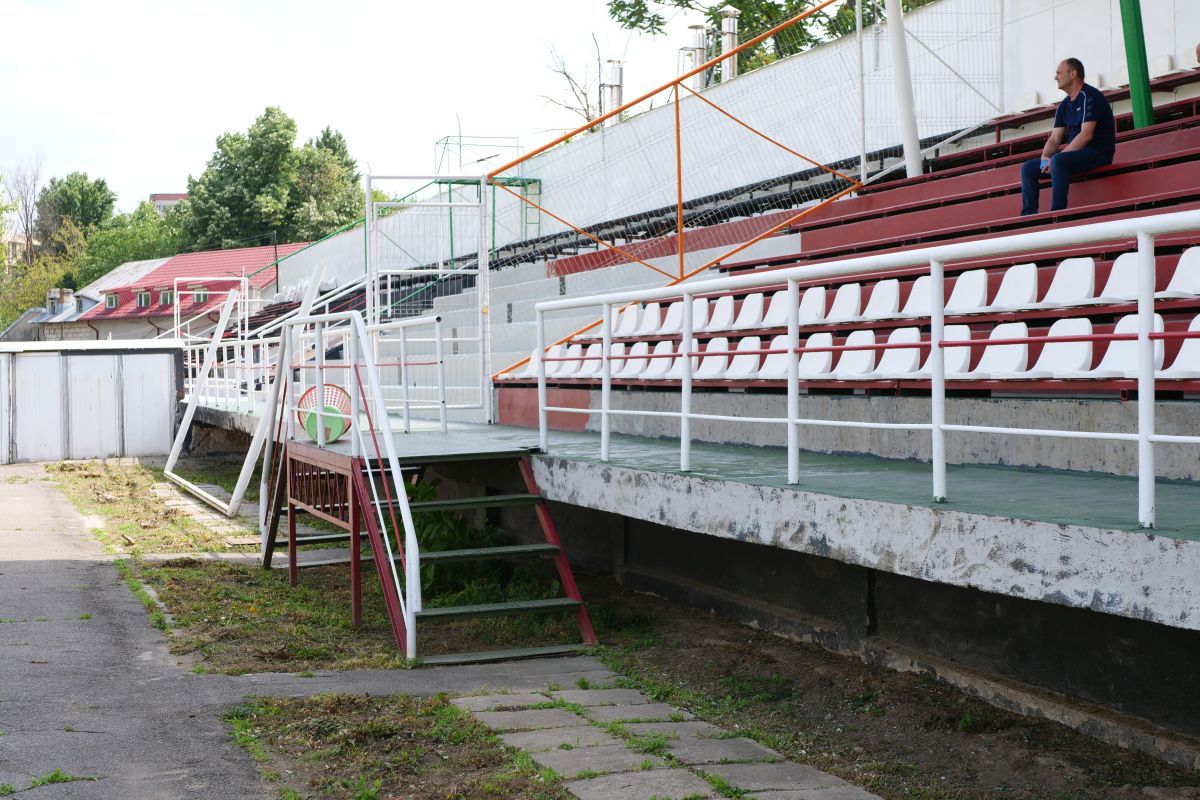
778 342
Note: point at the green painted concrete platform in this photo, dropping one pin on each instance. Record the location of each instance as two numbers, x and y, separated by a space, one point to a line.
1073 498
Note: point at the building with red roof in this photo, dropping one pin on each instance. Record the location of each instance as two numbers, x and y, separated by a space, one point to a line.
197 283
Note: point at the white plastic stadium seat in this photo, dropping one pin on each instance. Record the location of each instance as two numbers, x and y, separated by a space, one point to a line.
776 316
676 371
1074 283
633 366
744 367
955 359
812 306
917 304
1185 281
712 368
651 320
1187 361
566 369
1121 286
658 367
884 302
1058 358
750 315
673 323
1018 289
774 365
720 314
847 303
969 294
530 371
998 359
854 365
591 364
1120 359
899 362
627 321
814 365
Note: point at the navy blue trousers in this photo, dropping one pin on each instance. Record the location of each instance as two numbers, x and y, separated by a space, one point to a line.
1062 167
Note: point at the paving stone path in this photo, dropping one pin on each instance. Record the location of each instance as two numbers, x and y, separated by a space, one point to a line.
616 744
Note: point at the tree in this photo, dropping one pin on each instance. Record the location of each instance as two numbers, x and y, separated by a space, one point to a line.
86 202
24 287
21 183
756 17
579 90
259 183
140 235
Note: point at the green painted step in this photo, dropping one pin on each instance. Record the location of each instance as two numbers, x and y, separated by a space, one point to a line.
491 501
507 655
498 609
487 553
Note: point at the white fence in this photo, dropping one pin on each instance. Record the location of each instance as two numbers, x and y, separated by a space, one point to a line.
1144 229
87 400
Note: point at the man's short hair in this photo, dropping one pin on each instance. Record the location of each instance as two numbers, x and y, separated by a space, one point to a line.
1077 65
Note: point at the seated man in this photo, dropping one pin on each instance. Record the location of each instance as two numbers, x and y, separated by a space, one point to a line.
1084 137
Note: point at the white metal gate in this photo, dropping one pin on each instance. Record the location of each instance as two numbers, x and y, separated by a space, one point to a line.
427 256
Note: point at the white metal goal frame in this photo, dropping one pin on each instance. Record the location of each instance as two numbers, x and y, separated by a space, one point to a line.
426 252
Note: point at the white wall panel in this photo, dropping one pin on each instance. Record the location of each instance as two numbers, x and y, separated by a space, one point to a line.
5 407
149 403
93 406
38 414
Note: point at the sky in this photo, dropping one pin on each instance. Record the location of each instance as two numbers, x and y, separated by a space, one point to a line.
137 91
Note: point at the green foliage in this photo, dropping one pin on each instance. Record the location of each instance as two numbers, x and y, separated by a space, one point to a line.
139 235
259 183
57 776
87 203
24 285
757 16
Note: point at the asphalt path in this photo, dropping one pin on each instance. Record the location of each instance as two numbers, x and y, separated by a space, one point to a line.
88 686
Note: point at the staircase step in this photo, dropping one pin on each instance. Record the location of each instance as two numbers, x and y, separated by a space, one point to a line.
487 553
485 656
498 609
320 538
491 501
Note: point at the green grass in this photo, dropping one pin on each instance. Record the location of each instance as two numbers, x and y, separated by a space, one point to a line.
129 576
57 776
6 789
358 748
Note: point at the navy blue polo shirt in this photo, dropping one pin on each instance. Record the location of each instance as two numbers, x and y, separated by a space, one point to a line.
1090 105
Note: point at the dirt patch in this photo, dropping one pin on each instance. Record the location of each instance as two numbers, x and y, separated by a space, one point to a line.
898 735
363 748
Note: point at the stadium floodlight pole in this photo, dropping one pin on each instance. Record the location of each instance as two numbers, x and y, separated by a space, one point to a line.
902 78
1135 60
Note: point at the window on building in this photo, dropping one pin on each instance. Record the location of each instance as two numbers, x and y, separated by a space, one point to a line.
111 300
200 295
143 299
166 297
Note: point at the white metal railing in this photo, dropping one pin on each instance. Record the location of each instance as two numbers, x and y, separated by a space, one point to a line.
359 366
1144 229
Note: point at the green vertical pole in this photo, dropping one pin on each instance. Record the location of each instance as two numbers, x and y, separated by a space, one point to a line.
1135 58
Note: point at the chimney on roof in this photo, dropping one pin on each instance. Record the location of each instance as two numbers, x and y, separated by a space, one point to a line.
614 90
729 42
57 300
699 50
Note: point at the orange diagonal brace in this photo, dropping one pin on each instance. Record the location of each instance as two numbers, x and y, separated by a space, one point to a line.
762 37
778 144
595 239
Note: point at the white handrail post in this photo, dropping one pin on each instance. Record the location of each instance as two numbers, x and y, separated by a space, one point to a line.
937 377
355 389
404 399
606 380
1146 400
319 378
283 376
685 399
441 372
540 364
793 381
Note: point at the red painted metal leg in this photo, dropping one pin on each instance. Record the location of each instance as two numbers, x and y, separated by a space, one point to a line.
565 575
355 562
